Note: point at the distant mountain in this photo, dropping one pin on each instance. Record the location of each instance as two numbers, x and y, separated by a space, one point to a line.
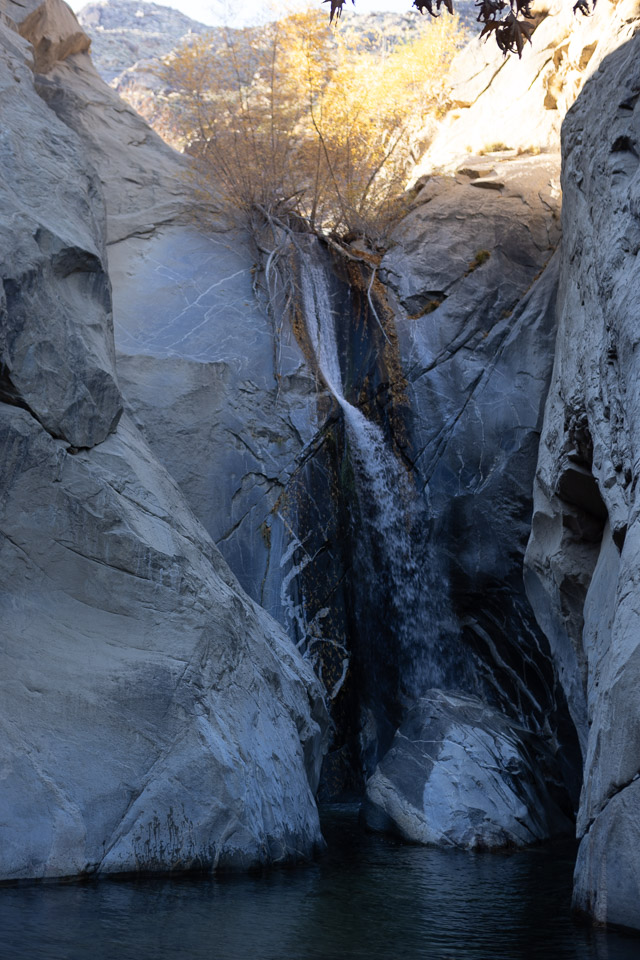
397 28
125 31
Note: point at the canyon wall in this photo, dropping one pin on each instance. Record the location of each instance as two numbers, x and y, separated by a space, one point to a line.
154 717
472 274
582 558
363 465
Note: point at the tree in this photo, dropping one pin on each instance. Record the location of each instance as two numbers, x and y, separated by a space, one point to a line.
289 116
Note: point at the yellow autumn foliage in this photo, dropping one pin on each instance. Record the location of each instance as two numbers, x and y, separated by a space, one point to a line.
291 116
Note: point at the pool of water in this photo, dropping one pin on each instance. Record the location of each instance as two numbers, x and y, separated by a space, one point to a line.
368 897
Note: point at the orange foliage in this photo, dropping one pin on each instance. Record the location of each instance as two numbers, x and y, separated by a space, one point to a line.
290 116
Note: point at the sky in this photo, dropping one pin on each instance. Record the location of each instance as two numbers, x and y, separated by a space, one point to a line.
244 12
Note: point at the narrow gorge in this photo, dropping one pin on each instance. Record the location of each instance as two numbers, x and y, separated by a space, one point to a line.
287 519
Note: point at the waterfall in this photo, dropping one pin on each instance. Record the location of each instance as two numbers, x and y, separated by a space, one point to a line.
394 555
382 481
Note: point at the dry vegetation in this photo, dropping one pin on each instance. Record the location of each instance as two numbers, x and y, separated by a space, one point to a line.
292 120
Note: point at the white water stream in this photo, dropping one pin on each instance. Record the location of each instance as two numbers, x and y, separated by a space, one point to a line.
385 480
388 503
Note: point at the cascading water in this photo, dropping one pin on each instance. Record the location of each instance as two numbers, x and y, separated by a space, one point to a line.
382 483
400 597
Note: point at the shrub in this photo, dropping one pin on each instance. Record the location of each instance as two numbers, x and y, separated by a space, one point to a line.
290 118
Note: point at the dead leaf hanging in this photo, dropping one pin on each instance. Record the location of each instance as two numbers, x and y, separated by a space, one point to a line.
336 8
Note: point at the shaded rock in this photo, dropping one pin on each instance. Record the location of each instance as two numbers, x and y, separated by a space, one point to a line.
222 394
477 377
154 718
459 774
478 285
607 874
583 555
229 401
470 253
144 181
235 437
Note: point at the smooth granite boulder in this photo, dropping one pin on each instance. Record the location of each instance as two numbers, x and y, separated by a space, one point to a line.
459 774
154 718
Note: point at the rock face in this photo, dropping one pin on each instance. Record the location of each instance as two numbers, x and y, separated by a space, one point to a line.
241 400
475 330
251 424
476 338
125 31
142 180
55 303
458 774
503 103
53 31
113 584
582 558
154 718
474 289
474 315
195 346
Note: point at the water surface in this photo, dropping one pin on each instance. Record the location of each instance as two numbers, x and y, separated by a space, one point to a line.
367 898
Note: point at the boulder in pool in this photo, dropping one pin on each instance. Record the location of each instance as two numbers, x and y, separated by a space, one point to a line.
460 774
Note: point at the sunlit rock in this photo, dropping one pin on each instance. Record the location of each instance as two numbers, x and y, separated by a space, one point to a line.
51 28
506 104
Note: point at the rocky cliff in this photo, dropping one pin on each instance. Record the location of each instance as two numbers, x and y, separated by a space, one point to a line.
582 557
258 443
154 718
235 402
123 32
364 463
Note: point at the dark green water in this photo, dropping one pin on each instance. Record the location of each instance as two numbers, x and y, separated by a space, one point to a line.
368 898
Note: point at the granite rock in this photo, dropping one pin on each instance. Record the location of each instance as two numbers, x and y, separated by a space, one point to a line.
56 340
223 394
154 718
475 314
582 557
475 288
52 30
458 774
501 104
